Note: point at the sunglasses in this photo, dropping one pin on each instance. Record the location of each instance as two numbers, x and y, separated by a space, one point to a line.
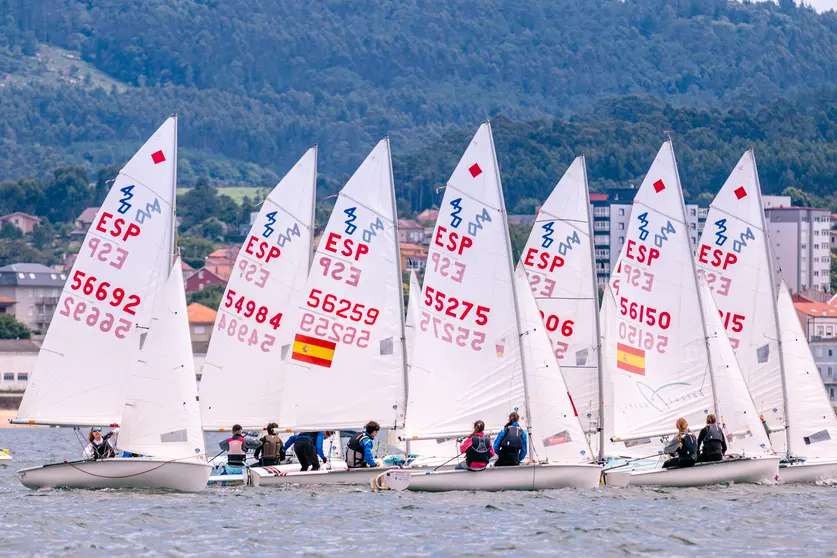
97 430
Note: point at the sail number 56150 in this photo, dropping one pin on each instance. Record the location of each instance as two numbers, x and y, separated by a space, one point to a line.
644 314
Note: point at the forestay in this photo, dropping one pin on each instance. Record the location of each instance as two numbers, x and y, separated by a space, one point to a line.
347 356
242 376
106 302
466 362
734 257
660 365
162 416
556 433
813 431
558 259
737 414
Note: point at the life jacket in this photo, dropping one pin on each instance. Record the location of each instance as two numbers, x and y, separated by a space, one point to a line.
479 451
236 455
310 435
101 450
689 449
512 440
273 448
355 452
713 434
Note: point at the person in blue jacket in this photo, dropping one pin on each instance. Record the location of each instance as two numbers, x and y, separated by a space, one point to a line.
359 451
512 444
307 446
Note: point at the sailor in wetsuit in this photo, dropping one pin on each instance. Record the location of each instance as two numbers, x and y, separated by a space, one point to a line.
684 448
237 447
98 446
307 446
511 445
712 443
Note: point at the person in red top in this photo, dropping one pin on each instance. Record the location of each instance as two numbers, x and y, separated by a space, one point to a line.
477 449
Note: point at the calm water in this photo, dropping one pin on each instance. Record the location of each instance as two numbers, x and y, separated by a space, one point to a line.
739 520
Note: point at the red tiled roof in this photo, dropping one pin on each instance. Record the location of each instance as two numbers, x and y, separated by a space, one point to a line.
200 314
409 224
598 197
88 215
816 309
20 214
7 300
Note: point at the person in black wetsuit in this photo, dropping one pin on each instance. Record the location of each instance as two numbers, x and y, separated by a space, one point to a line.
712 443
307 447
685 452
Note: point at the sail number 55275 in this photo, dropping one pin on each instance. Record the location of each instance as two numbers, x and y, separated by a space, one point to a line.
453 307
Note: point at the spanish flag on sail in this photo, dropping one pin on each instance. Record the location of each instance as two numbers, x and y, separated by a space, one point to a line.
318 352
630 359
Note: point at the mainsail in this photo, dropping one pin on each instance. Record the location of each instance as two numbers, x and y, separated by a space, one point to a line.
735 259
257 313
659 362
558 259
162 416
412 318
107 300
347 357
813 431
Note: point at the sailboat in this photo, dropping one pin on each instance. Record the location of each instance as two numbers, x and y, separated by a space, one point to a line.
255 318
736 258
670 357
347 358
481 348
560 265
118 351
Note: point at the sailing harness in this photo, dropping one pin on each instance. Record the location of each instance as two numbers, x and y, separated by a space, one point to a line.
236 455
479 451
273 448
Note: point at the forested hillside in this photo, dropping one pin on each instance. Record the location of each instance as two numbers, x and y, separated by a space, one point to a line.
258 81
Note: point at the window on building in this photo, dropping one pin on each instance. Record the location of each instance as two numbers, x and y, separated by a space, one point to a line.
830 372
804 246
816 246
8 377
830 351
602 254
831 392
621 211
694 211
694 226
816 273
621 240
821 333
829 331
200 330
23 377
621 226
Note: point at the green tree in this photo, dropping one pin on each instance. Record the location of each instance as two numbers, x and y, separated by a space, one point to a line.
194 250
10 328
10 232
527 206
209 296
797 196
17 251
519 236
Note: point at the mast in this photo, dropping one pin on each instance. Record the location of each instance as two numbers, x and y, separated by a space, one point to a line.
596 302
173 196
775 307
313 204
512 277
400 283
697 287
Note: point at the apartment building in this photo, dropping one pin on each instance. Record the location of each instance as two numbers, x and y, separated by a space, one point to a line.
35 290
801 242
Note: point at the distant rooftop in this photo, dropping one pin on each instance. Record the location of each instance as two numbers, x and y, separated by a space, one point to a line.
200 314
816 309
32 275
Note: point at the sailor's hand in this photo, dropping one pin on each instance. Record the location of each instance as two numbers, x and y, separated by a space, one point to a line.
325 460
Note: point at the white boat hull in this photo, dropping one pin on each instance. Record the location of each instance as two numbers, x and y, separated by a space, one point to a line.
137 472
290 474
495 479
764 469
809 471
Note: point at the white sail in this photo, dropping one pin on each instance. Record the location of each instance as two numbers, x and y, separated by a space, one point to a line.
813 430
242 376
558 259
734 257
347 355
412 319
556 433
658 356
126 255
736 411
162 416
466 361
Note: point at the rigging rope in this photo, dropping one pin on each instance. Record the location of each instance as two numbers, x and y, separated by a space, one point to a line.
126 476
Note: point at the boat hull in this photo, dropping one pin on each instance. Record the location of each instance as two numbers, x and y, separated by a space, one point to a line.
495 479
290 474
137 472
765 469
809 471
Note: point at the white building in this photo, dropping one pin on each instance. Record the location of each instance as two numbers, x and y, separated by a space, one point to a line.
35 288
801 242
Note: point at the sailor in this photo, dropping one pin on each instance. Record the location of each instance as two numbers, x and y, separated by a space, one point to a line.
477 449
98 446
711 441
511 445
684 448
307 446
272 450
359 451
237 447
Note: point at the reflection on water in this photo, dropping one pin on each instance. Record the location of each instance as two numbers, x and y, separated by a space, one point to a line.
757 520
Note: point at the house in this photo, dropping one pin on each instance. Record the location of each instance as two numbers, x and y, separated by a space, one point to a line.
221 262
25 222
410 232
187 269
83 223
201 322
35 288
203 278
818 319
6 304
428 216
17 360
413 257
